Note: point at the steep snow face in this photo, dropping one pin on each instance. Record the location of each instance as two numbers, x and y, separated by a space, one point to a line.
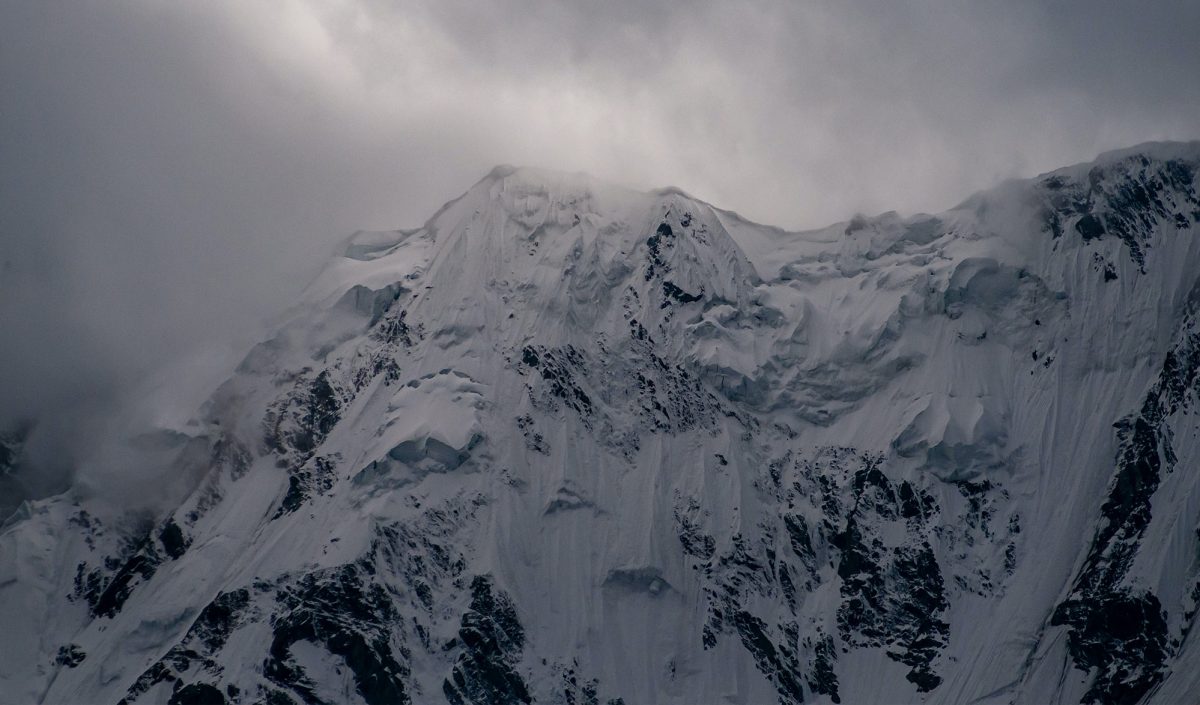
570 443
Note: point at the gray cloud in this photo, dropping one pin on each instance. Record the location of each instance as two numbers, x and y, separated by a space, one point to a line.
171 173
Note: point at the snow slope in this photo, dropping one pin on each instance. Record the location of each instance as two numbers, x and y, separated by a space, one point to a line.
571 443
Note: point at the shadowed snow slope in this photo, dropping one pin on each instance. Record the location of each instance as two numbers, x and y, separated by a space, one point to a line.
570 443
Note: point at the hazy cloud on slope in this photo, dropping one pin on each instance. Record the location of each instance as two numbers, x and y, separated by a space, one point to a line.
170 173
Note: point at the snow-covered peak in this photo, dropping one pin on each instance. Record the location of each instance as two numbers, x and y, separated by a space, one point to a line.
571 442
536 243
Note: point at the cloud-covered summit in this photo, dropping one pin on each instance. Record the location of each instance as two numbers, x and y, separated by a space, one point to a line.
171 173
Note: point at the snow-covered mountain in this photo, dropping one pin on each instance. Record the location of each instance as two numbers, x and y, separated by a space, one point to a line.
571 443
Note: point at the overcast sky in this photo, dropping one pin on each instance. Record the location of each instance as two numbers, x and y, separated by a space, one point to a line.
171 171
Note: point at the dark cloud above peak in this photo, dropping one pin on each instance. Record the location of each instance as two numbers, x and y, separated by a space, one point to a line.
172 172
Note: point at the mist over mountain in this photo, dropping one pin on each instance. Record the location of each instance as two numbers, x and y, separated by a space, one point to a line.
572 442
170 173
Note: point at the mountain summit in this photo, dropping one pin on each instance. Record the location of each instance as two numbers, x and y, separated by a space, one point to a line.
572 443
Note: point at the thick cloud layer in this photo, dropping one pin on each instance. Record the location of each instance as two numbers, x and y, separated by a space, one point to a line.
170 173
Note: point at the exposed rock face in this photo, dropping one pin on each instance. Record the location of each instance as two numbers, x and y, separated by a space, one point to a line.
491 639
569 443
